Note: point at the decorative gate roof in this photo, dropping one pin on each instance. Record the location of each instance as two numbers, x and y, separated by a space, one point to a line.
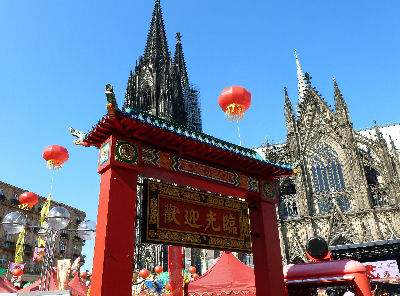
150 129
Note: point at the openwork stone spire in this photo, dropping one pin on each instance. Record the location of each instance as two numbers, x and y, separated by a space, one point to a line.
156 47
179 60
300 82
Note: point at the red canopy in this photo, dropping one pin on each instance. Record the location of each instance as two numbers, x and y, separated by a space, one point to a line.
227 276
6 286
35 286
78 287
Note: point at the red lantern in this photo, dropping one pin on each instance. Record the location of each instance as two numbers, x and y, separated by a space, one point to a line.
55 156
192 269
168 287
17 271
234 100
28 199
158 269
195 276
144 273
74 272
83 275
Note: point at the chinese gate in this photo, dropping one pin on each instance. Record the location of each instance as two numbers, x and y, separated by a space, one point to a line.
137 143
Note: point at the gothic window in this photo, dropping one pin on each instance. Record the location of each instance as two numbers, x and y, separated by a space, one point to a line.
328 179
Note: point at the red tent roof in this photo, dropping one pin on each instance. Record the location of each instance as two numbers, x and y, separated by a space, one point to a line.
227 276
78 287
35 286
6 286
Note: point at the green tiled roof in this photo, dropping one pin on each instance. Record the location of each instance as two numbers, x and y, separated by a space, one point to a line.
192 134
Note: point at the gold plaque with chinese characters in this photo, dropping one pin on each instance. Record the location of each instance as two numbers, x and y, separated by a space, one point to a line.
185 217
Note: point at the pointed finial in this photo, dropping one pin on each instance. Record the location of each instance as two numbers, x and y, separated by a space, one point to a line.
178 37
375 122
334 79
295 53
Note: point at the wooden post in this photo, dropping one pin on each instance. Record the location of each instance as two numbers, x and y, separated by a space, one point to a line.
268 269
114 247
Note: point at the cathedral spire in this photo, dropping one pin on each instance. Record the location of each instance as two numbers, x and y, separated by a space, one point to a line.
340 105
289 113
156 47
179 61
339 101
288 104
300 82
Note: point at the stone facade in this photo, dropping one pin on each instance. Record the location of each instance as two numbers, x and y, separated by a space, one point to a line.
347 189
68 244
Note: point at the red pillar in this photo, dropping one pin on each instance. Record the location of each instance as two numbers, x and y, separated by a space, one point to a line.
266 247
175 270
115 233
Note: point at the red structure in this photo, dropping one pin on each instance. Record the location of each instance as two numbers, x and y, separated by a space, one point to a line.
141 144
300 276
228 276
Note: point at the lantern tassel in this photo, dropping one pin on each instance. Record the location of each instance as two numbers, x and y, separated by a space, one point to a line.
54 164
235 112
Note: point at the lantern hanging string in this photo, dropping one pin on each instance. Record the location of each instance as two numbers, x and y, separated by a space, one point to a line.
240 139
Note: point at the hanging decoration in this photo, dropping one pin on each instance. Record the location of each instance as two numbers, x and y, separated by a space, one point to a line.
84 275
19 247
28 200
55 156
234 100
144 273
158 269
43 214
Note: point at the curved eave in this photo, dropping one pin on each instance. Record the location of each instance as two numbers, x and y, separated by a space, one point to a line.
183 142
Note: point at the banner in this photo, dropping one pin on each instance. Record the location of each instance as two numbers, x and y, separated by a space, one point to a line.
19 247
38 254
63 269
382 269
11 267
175 268
43 214
180 216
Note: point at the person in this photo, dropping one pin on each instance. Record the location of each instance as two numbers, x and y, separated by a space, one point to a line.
348 293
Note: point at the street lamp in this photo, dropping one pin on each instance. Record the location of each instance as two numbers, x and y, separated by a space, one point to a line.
56 220
14 222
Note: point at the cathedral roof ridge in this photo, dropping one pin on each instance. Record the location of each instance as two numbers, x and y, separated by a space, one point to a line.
397 123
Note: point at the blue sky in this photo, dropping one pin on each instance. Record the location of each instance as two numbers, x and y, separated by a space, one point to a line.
57 56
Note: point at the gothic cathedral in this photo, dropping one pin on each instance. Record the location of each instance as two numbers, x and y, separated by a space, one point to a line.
347 189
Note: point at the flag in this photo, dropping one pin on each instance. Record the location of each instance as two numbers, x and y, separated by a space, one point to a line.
75 265
43 214
11 267
19 248
38 254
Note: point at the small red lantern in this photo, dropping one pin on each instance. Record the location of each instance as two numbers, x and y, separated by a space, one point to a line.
158 269
17 271
28 199
55 156
83 275
234 100
195 276
168 287
192 269
144 273
74 273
